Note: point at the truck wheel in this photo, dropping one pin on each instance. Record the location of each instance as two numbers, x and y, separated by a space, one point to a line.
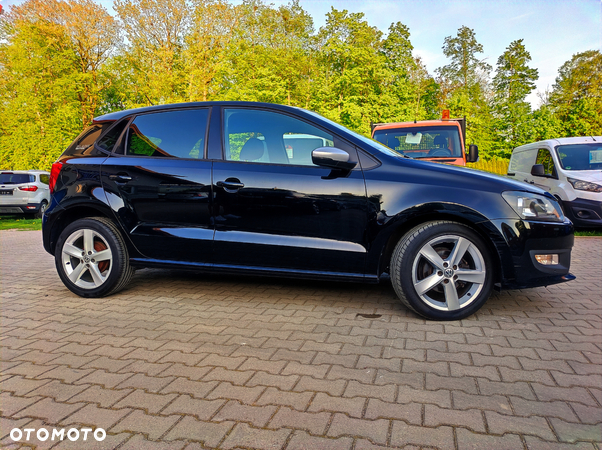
442 270
92 259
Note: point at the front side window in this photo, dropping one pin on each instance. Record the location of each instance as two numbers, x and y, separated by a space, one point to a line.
178 134
544 157
270 137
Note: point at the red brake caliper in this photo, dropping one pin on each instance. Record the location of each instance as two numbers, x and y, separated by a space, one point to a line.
99 246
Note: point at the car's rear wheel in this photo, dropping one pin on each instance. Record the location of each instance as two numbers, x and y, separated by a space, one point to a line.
43 207
92 258
442 270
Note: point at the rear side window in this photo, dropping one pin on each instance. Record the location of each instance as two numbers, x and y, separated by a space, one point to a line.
176 134
44 178
16 178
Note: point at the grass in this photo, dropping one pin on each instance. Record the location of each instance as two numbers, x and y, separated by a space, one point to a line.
594 232
20 222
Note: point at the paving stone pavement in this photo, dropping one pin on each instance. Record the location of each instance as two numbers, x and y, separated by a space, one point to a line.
189 361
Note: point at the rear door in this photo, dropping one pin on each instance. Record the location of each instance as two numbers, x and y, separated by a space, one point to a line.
160 187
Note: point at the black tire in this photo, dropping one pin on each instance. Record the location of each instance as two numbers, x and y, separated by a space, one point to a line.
40 212
427 285
75 261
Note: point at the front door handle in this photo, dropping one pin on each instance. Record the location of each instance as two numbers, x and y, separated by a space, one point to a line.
120 177
230 184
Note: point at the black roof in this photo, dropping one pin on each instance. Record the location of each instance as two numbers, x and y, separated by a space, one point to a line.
128 112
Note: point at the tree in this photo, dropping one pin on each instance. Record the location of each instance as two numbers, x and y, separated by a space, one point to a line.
465 71
90 32
411 83
269 58
50 68
213 25
151 67
464 87
514 80
577 94
354 73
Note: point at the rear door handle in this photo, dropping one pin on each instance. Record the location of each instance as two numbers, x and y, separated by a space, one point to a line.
231 185
120 177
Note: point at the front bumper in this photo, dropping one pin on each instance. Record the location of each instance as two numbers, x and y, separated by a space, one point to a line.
523 241
584 212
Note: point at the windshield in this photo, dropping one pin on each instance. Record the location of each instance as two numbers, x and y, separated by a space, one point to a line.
371 142
422 141
580 156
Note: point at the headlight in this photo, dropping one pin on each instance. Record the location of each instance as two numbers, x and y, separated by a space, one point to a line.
585 185
533 206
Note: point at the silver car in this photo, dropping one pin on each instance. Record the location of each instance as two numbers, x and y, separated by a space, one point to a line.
24 192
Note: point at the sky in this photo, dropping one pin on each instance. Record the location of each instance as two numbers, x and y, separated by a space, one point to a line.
552 30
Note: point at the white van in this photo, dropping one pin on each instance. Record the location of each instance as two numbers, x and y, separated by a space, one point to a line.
568 168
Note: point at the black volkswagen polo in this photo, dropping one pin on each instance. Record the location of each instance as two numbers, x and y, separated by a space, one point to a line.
267 189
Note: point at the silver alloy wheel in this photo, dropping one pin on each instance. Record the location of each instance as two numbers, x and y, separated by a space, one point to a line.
448 272
87 259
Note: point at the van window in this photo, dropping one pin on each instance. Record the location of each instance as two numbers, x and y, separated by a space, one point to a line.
544 157
522 161
580 156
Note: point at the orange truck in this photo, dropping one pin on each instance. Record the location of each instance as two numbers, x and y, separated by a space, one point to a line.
441 141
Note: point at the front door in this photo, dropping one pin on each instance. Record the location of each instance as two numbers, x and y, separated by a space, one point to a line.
274 209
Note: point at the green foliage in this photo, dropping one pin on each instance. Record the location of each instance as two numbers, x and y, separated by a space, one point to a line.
577 94
514 80
62 62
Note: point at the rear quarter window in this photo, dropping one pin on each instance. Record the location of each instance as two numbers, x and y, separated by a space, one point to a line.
83 145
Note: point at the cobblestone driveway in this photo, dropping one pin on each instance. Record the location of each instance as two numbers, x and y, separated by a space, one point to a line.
184 360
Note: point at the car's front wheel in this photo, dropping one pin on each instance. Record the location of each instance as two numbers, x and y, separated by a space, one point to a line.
442 270
92 258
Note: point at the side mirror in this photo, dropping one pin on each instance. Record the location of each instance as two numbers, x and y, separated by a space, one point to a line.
333 158
537 170
473 153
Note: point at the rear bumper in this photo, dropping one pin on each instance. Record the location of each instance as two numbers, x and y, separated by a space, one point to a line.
28 208
524 240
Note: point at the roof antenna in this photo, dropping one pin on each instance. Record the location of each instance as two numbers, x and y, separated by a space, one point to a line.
594 139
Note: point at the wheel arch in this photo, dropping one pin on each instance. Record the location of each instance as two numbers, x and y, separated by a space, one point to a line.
82 211
469 218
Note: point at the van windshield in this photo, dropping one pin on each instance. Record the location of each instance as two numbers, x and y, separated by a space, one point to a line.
580 156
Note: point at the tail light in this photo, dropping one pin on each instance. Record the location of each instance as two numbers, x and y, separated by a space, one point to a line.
54 175
28 188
